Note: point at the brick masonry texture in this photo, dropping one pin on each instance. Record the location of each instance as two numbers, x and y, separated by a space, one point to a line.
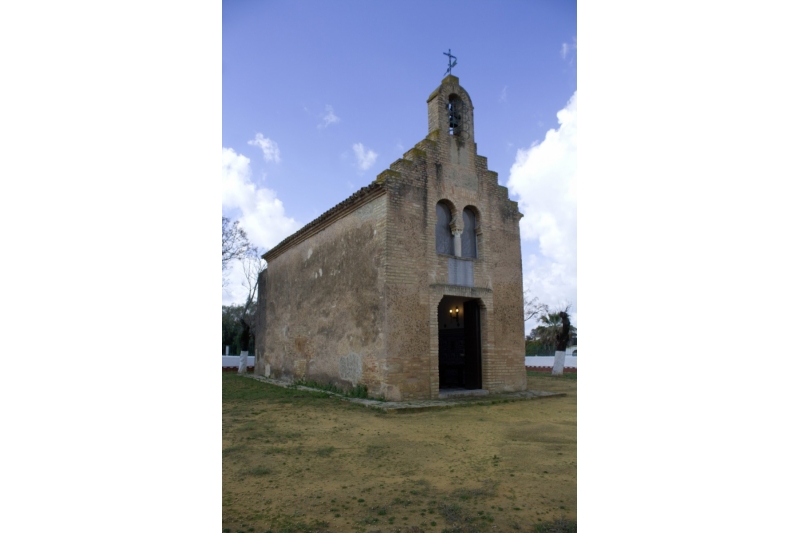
352 297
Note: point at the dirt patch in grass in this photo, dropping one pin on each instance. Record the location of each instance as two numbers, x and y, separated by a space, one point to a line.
296 461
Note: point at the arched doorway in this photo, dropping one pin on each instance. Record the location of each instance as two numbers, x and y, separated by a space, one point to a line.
459 343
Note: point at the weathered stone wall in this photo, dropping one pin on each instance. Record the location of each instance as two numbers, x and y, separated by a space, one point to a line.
324 316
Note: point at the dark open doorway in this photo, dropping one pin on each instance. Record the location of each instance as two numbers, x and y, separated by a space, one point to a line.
459 343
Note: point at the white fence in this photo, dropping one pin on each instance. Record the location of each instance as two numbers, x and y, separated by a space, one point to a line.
233 360
570 361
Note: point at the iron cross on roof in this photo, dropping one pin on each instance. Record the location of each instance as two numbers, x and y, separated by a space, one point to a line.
451 61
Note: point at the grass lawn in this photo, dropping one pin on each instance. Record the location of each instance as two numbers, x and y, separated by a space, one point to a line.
296 461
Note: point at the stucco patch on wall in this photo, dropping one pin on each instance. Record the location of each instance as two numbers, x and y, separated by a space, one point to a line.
390 392
300 368
350 368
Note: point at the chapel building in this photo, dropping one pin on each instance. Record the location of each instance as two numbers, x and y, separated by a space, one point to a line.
412 286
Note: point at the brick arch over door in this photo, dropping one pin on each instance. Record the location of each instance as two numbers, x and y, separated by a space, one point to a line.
485 298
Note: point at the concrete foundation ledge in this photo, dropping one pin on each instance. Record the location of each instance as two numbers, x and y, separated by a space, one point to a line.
411 406
236 368
458 393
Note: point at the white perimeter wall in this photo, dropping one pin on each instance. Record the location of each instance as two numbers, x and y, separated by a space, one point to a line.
233 360
570 361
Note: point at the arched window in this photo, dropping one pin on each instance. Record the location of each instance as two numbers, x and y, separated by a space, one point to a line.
469 243
444 237
455 108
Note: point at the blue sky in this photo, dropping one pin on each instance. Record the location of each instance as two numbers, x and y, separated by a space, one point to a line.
320 97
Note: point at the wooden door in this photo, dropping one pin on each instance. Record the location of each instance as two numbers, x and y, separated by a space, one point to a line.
451 358
472 344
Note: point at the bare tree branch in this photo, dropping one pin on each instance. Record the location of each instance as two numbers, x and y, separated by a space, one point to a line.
533 307
235 244
252 266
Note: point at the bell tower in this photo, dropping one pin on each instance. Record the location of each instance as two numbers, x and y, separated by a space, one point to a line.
450 120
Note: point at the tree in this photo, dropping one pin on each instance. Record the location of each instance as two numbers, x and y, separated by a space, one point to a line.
235 244
232 329
535 342
555 329
252 265
533 307
547 329
562 340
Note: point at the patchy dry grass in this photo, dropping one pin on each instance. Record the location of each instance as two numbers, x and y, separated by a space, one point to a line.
298 461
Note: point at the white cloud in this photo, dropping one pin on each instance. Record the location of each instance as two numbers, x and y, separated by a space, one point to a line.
566 48
366 158
235 291
544 177
503 94
262 213
268 146
329 118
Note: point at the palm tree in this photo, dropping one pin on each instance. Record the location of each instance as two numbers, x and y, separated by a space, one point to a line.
550 325
555 329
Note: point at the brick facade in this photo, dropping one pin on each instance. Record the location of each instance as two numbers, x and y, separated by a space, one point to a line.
353 297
